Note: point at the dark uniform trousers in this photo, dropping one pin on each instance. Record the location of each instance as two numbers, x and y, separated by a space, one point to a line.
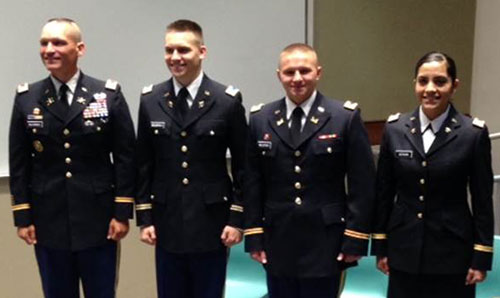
297 207
423 223
184 187
72 171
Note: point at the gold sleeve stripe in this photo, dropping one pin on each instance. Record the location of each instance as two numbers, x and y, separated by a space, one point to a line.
124 200
254 231
140 207
379 236
236 208
21 207
355 234
483 248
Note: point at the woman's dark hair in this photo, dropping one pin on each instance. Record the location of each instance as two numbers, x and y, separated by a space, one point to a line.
451 69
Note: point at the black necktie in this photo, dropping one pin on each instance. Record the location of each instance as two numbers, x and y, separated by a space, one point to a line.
182 102
63 96
296 126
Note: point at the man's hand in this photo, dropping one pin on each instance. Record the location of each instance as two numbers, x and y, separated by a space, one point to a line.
474 276
117 230
348 258
383 265
230 236
259 256
148 235
27 234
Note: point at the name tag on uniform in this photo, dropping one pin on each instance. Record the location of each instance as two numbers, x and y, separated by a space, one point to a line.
157 124
35 123
404 153
265 144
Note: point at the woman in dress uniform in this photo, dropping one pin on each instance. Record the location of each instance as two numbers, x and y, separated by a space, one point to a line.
428 238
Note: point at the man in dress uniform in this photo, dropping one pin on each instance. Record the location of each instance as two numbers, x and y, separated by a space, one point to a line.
301 223
71 153
187 204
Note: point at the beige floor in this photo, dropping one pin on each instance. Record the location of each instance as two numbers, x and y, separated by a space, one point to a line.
19 272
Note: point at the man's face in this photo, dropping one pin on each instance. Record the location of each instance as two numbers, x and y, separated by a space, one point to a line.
59 50
183 55
299 73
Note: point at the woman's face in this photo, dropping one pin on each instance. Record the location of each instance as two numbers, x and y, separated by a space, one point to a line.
434 88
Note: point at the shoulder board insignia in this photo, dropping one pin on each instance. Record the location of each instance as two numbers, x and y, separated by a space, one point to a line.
478 123
232 90
256 108
21 88
393 117
349 105
111 84
147 89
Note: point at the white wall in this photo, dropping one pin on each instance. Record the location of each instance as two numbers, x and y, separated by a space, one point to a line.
125 41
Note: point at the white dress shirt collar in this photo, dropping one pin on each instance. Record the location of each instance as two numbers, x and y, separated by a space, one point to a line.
191 88
306 105
436 123
71 83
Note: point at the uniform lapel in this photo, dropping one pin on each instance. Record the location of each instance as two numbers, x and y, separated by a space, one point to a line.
315 120
201 104
51 103
279 123
446 133
413 133
80 101
168 102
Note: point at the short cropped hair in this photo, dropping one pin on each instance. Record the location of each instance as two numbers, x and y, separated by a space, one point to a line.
302 47
183 25
298 47
451 68
76 34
